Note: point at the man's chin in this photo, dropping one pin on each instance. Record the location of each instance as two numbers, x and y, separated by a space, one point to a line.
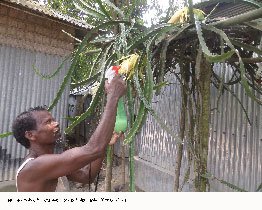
59 143
57 136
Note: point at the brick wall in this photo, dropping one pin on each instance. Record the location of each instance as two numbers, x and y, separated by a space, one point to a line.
24 30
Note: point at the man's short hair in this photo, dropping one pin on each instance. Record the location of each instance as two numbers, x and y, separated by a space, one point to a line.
25 122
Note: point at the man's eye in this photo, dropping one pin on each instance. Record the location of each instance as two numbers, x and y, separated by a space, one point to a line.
48 121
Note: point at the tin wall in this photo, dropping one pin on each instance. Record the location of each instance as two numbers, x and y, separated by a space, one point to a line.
20 89
234 145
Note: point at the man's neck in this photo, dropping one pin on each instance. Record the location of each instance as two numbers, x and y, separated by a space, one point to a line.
37 150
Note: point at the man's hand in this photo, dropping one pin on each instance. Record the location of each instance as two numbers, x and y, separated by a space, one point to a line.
115 137
116 88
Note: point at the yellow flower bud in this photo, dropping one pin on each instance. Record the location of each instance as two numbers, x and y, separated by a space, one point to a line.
128 65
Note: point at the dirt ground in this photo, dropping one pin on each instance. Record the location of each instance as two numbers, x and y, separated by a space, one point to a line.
116 183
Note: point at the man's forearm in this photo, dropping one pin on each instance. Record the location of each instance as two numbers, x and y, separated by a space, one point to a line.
104 130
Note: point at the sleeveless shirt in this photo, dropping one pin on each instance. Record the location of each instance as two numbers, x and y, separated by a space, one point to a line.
60 184
20 168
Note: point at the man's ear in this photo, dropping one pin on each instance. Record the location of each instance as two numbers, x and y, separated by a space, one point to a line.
30 135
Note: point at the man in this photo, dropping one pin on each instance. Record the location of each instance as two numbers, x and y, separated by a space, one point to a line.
37 130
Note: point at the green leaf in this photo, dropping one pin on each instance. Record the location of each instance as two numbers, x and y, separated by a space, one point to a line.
244 81
239 101
63 85
87 113
89 37
37 71
259 188
219 58
246 47
207 175
146 98
210 56
148 92
86 81
160 85
116 9
142 37
71 118
82 6
94 102
232 186
3 135
256 24
165 45
132 145
103 9
150 85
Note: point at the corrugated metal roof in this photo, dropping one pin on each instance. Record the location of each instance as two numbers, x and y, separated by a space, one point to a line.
228 8
204 3
44 10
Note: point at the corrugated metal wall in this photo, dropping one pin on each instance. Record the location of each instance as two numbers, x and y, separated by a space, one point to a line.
235 153
20 89
234 146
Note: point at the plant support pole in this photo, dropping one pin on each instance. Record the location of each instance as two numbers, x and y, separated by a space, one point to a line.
123 163
205 76
109 164
182 127
132 143
132 166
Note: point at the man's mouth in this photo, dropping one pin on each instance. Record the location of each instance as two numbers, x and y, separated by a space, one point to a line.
57 132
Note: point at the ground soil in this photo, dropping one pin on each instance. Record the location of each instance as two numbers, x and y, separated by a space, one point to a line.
99 185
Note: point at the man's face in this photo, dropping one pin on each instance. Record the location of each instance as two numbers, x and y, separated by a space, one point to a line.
48 130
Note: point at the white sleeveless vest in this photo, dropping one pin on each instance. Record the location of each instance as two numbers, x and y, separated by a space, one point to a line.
20 168
60 184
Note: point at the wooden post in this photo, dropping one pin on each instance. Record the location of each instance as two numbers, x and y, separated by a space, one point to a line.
109 165
203 125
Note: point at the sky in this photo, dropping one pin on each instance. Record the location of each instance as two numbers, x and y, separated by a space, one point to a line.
164 4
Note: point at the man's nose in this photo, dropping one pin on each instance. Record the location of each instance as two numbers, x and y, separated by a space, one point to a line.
56 124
